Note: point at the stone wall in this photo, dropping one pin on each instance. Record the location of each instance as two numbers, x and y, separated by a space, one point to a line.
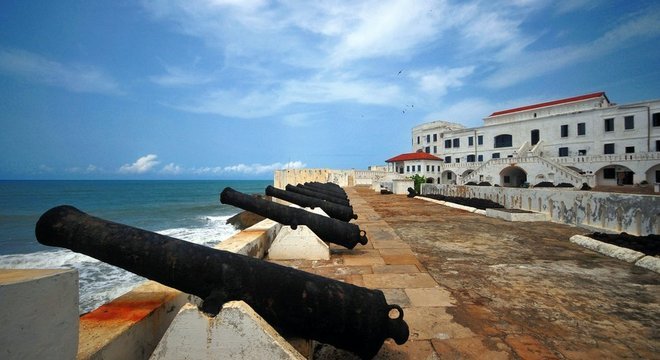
634 214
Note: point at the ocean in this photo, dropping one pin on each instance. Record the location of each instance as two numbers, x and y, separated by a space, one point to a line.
187 210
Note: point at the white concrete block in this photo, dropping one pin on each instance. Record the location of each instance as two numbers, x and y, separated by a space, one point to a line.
614 251
516 216
649 262
301 243
237 332
39 314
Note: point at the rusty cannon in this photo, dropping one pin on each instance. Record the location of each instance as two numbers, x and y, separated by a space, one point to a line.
324 191
339 212
295 302
309 192
327 229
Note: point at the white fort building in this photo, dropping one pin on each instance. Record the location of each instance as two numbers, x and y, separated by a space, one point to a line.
577 140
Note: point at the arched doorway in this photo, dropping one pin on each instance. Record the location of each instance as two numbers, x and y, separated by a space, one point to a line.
513 176
448 177
614 175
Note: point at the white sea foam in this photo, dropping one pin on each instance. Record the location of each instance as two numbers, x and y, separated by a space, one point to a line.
100 282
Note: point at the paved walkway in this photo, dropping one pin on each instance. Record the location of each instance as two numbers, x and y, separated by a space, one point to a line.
474 287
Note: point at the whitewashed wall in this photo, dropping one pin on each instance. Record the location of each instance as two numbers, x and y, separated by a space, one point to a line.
634 214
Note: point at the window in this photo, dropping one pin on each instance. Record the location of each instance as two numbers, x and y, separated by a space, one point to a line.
419 168
457 143
458 160
564 131
470 158
581 129
656 119
563 151
428 138
432 168
427 149
507 179
447 159
657 145
608 149
496 155
504 140
435 149
428 168
418 140
480 140
609 173
435 137
447 144
609 124
449 176
582 152
407 168
629 122
630 149
535 137
470 140
657 176
480 158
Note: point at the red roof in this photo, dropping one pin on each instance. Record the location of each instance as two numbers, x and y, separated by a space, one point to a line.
550 103
413 156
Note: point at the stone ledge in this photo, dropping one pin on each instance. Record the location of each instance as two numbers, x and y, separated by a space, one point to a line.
649 262
516 216
640 259
450 204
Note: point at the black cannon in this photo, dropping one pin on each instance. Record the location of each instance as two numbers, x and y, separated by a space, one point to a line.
295 302
327 229
328 189
312 193
324 191
339 212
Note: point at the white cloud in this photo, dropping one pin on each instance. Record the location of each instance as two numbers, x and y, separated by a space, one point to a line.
531 64
468 112
267 102
73 77
84 170
171 168
176 76
140 166
260 169
439 80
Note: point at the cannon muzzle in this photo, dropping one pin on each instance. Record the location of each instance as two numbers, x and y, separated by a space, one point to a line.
295 302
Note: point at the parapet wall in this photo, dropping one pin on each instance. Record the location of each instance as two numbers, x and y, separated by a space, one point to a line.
634 214
343 178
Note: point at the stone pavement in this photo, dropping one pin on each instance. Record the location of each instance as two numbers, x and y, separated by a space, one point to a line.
474 287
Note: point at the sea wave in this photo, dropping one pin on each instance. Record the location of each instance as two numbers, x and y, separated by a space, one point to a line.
100 282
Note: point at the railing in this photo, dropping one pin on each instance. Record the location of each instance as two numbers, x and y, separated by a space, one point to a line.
522 150
648 156
536 149
576 177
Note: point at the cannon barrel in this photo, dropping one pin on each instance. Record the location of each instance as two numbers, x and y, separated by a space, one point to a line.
340 212
318 195
327 229
319 190
295 302
326 188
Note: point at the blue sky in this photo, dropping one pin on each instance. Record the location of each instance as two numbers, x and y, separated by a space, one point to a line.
232 89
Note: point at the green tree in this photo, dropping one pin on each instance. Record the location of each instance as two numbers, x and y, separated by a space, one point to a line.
419 180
